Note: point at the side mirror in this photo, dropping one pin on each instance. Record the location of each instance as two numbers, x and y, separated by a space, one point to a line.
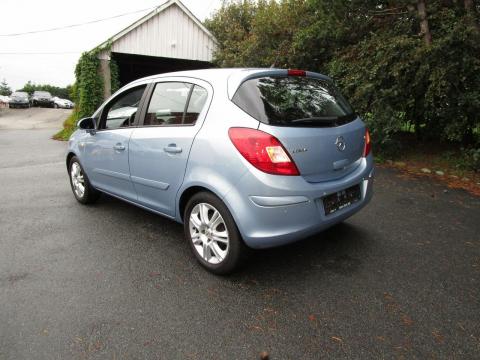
86 123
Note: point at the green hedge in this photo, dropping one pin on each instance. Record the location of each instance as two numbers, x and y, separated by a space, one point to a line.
377 55
87 91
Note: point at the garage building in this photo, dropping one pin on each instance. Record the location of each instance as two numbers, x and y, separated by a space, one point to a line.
170 38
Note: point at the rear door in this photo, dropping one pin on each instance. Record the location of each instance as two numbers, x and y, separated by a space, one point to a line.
310 118
160 146
106 151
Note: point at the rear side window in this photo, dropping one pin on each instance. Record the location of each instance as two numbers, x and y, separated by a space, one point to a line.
195 105
293 101
175 103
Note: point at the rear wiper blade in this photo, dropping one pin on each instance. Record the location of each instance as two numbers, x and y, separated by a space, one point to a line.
316 118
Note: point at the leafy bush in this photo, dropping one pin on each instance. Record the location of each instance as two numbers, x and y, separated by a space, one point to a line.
87 91
377 53
89 84
383 127
471 159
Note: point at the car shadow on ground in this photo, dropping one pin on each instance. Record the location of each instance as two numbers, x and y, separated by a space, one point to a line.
340 249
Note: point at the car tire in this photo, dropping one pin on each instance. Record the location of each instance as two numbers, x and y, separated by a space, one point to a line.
83 191
219 254
55 106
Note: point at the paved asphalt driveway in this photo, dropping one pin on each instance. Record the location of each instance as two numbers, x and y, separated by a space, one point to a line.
401 279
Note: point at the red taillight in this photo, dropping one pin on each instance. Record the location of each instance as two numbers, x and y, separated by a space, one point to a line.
263 151
368 145
294 72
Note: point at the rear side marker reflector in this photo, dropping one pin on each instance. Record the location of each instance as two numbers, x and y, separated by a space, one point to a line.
294 72
368 144
263 151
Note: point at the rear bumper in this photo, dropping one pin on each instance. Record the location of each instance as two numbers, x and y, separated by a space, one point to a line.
281 209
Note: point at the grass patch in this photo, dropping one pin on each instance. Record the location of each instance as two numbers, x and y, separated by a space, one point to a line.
433 154
69 126
447 162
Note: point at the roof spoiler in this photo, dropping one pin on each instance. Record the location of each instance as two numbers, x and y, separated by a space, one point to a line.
239 77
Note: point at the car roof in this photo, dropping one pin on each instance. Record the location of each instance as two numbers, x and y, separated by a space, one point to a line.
218 76
204 74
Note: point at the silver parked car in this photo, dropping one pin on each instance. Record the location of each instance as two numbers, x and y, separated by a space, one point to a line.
244 158
19 99
59 103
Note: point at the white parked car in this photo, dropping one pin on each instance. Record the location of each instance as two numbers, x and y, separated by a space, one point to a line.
62 103
4 100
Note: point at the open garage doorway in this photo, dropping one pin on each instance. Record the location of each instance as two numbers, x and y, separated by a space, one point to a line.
132 67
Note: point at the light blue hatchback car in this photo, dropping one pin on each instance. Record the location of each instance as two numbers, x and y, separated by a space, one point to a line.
244 158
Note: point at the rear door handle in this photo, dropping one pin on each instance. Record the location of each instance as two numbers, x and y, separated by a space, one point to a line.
172 149
119 147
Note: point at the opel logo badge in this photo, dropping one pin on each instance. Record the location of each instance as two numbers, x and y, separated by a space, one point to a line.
340 142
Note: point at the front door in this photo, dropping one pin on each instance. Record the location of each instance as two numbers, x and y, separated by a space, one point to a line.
160 146
106 151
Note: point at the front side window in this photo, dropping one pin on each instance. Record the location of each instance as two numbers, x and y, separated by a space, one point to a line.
121 112
293 101
175 103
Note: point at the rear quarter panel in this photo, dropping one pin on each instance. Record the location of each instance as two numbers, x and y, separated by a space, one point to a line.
214 163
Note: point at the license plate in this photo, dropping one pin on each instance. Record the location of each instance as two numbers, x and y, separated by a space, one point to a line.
341 199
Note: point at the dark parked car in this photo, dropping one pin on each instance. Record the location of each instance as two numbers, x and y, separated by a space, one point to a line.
19 99
42 98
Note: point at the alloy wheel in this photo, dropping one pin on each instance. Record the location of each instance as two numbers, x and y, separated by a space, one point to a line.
209 233
78 181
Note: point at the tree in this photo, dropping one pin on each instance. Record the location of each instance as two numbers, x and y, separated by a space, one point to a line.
402 63
63 93
232 25
424 28
5 90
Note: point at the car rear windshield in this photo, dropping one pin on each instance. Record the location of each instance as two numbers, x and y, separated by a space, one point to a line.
294 101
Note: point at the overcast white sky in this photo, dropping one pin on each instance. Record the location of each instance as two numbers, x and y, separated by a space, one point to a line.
57 69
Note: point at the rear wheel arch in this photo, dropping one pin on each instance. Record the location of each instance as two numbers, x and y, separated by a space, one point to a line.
187 195
190 191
